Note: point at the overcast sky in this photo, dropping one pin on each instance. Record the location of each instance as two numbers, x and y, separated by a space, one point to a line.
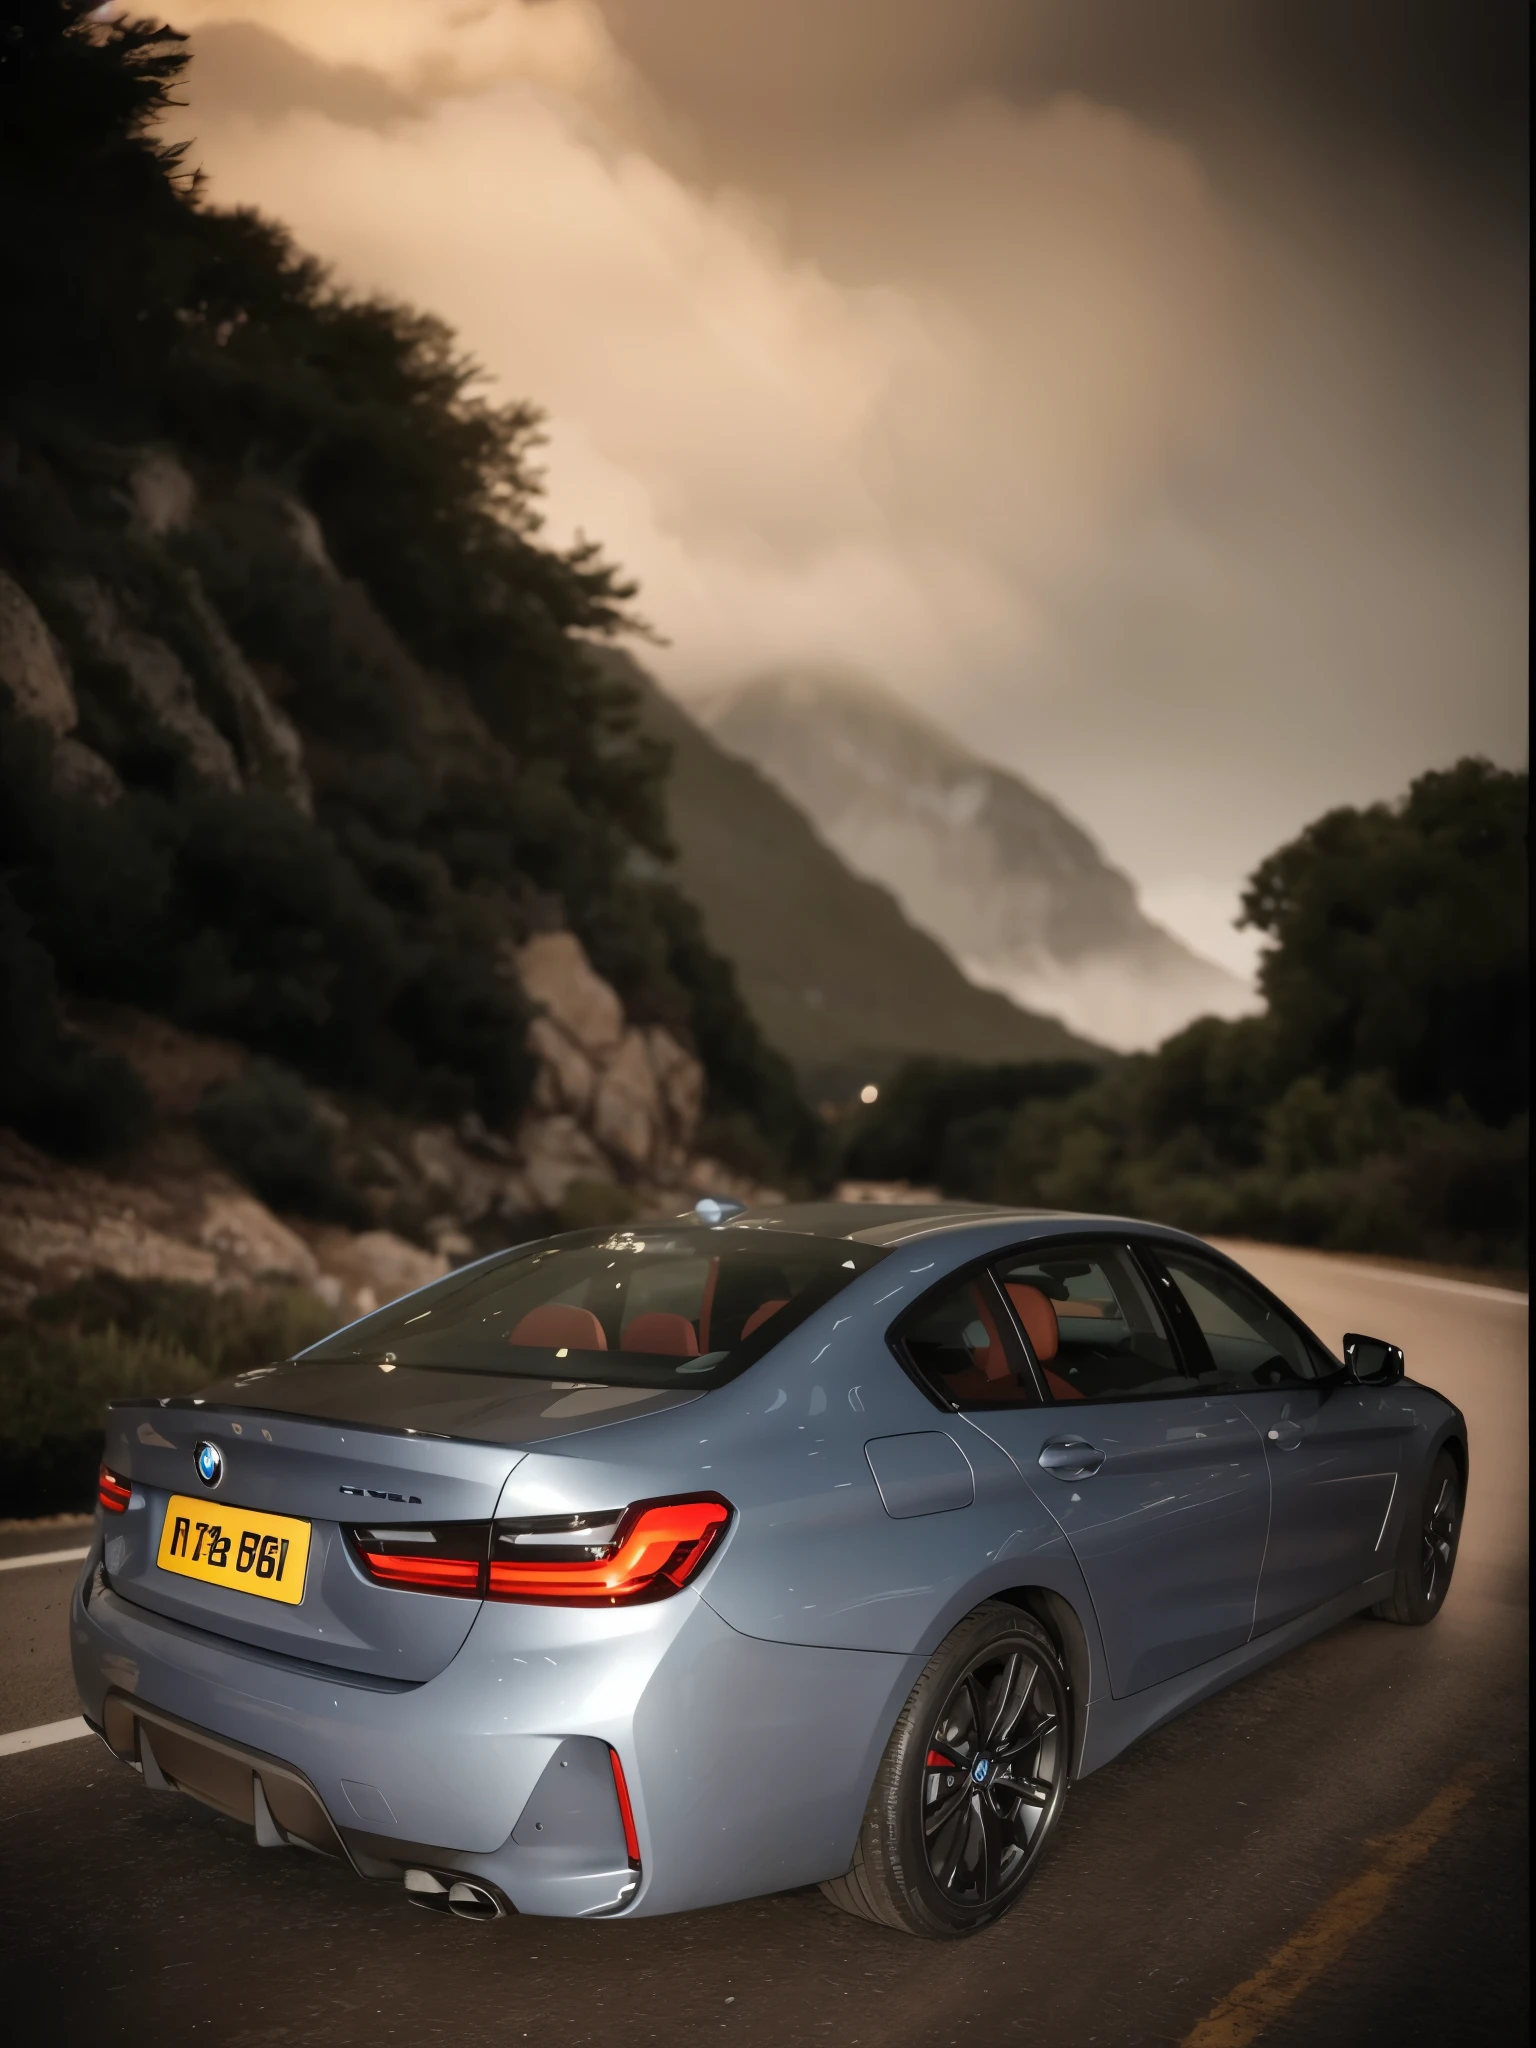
1138 388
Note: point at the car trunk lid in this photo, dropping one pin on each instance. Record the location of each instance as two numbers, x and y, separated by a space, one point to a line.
337 1445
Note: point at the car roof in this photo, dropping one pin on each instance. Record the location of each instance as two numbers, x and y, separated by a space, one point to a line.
888 1223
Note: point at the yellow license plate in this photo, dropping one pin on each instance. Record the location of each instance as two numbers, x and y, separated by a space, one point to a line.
224 1546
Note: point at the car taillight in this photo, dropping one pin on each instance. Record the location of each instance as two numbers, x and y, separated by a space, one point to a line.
615 1557
448 1557
649 1551
112 1492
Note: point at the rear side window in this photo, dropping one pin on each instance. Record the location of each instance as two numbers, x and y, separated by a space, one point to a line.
961 1345
1092 1323
1250 1343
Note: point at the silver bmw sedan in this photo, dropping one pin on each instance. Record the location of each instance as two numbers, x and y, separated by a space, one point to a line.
629 1572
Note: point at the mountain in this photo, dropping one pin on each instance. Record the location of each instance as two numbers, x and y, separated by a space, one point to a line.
1008 884
837 976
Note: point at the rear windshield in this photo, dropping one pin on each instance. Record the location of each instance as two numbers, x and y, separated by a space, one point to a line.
667 1307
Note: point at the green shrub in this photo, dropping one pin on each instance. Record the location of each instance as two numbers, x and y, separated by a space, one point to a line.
264 1127
109 1339
54 1088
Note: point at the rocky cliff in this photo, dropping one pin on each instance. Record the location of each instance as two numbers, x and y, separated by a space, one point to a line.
136 710
610 1135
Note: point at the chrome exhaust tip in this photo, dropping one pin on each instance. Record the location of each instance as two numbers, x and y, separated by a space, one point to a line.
468 1901
463 1897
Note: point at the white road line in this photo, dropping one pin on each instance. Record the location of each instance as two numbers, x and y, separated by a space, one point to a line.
16 1564
39 1738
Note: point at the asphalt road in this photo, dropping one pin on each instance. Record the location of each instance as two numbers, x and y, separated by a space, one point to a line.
1332 1852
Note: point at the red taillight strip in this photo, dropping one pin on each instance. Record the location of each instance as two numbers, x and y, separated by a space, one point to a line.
112 1492
657 1548
425 1574
626 1811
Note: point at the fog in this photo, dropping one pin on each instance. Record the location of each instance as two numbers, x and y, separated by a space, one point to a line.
1141 393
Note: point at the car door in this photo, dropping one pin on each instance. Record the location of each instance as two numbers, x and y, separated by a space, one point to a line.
1159 1486
1333 1447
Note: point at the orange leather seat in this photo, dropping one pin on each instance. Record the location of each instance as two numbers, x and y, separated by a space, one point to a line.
557 1326
1038 1315
661 1331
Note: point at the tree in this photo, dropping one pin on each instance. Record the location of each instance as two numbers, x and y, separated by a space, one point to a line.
1400 942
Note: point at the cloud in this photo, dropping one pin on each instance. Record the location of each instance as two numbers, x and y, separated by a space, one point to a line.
1194 492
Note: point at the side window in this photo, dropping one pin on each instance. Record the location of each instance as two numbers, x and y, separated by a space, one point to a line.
1250 1342
1092 1323
960 1344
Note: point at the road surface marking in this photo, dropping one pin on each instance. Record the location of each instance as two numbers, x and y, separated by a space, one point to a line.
39 1738
16 1564
1243 2014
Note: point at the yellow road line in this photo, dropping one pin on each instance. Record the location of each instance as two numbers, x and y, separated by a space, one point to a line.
1243 2014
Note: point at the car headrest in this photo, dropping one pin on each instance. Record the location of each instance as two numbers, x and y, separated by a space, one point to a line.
1038 1317
760 1315
661 1331
557 1326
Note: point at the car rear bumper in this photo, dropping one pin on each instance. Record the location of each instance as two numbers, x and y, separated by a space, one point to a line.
747 1762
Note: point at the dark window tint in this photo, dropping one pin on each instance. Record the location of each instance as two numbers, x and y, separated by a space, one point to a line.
1250 1343
660 1306
960 1343
1092 1323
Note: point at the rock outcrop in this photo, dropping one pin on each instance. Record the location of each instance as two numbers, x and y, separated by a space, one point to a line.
272 749
615 1104
610 1096
59 1223
163 493
33 666
35 670
161 687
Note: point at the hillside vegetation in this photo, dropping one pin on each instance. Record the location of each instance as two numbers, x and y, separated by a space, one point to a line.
304 732
1379 1104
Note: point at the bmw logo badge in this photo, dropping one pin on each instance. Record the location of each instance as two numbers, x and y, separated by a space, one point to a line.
210 1463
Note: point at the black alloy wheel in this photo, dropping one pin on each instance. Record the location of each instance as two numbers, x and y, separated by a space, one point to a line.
992 1775
971 1785
1427 1554
1442 1523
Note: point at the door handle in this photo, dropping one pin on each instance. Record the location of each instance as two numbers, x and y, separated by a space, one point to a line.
1070 1457
1284 1436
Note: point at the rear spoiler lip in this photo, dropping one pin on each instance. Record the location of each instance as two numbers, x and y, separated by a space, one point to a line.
225 1412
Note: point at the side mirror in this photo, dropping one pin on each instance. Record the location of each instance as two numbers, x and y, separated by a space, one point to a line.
1372 1361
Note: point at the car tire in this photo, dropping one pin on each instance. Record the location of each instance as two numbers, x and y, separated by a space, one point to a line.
942 1852
1426 1554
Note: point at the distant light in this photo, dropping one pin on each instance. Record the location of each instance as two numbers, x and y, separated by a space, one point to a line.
869 1092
